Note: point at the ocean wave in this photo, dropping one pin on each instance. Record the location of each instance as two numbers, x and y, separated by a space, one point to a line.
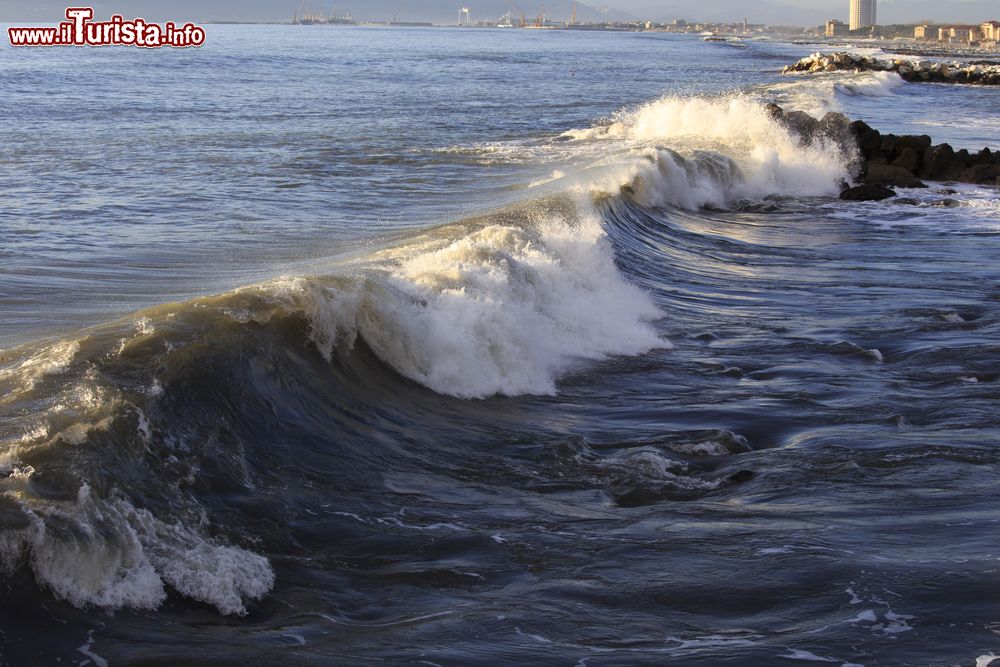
710 152
107 553
820 93
133 455
498 309
102 455
871 84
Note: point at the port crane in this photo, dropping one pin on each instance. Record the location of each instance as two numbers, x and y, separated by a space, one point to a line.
519 11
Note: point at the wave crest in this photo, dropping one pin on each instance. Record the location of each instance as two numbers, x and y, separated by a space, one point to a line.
500 310
713 152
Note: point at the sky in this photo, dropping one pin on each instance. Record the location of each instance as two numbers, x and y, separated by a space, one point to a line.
775 12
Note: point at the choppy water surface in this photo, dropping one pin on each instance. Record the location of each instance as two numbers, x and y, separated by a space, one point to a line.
491 347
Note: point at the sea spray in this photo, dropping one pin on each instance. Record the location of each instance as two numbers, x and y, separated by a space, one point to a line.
112 555
711 152
502 309
826 92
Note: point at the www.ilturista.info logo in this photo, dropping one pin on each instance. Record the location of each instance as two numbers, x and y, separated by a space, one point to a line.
79 30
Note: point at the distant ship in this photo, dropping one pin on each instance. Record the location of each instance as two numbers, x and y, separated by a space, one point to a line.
320 19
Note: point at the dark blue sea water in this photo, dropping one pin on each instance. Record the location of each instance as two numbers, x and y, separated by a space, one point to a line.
354 345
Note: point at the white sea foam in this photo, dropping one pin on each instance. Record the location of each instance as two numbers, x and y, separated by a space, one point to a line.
871 84
964 208
19 378
798 654
494 310
698 152
86 650
820 93
109 554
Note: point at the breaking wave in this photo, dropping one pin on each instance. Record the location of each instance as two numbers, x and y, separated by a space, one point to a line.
712 152
133 457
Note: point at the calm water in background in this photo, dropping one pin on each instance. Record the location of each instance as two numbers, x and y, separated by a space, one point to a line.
740 421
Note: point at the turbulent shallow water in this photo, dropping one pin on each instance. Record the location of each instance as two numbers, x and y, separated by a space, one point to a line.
487 347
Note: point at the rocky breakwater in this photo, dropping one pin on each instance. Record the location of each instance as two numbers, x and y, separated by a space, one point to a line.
984 74
884 161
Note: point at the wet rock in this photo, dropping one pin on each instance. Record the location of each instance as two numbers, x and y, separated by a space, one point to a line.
888 144
860 127
981 174
891 160
906 201
870 143
774 111
937 160
886 174
978 74
801 124
919 143
908 160
835 125
986 156
838 128
867 192
947 203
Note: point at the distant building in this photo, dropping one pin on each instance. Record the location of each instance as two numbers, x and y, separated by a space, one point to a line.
990 30
464 17
862 14
963 34
958 34
925 32
835 28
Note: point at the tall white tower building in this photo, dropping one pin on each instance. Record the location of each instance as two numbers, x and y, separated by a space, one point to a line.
862 14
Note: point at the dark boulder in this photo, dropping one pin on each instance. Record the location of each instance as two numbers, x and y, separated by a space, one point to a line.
937 160
837 128
946 203
867 192
981 174
908 159
919 143
869 140
889 160
835 124
861 128
801 123
887 174
888 144
985 156
774 111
